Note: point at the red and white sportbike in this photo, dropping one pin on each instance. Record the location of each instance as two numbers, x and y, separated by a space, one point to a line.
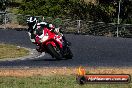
53 45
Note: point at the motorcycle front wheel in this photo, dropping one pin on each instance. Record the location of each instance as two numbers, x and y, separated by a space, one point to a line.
54 51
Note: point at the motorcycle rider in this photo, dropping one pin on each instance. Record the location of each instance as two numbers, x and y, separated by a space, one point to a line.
36 28
32 26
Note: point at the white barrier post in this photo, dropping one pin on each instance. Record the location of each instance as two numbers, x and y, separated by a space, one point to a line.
78 26
119 9
5 21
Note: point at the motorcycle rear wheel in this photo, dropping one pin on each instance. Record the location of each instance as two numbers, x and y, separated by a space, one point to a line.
53 52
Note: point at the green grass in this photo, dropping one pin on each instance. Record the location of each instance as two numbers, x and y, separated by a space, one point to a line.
52 82
11 51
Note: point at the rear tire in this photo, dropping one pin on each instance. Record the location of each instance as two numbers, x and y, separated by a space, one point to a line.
53 52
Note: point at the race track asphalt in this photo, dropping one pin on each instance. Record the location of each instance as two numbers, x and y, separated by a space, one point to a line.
90 51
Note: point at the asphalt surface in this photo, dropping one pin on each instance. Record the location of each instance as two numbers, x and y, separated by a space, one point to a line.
88 51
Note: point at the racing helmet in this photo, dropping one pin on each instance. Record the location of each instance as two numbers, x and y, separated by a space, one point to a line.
32 22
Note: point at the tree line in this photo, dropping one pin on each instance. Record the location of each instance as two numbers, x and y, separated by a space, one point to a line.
105 10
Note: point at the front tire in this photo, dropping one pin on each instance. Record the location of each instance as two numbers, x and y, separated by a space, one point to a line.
53 52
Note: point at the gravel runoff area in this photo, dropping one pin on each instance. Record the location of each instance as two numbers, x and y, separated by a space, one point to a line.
50 71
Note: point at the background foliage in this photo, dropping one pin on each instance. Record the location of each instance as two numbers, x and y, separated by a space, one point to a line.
105 11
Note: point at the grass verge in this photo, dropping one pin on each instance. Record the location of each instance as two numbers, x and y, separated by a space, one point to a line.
55 78
12 51
52 82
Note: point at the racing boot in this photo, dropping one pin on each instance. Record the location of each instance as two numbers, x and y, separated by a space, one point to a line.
66 42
